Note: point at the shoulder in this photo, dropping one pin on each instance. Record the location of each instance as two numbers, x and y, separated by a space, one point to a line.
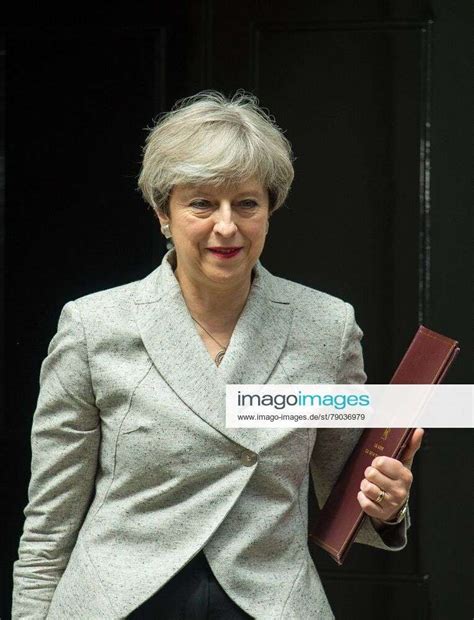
116 295
315 312
107 310
321 322
304 299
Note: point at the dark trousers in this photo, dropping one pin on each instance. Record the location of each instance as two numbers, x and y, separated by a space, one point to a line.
192 594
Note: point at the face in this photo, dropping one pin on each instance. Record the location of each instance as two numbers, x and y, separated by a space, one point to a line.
218 233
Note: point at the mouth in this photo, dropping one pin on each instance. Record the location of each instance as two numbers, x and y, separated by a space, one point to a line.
225 253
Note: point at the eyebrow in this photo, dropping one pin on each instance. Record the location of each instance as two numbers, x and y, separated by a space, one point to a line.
252 190
200 189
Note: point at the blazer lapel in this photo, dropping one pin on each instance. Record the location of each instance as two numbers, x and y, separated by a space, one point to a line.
261 332
178 353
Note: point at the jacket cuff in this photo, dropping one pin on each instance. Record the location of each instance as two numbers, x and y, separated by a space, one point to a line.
390 537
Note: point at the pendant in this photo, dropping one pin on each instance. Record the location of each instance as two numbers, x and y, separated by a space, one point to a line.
219 356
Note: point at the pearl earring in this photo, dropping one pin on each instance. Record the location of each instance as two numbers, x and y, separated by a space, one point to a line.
165 229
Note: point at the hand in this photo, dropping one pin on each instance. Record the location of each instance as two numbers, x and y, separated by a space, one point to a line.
391 475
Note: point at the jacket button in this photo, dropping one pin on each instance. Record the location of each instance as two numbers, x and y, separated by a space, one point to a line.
248 458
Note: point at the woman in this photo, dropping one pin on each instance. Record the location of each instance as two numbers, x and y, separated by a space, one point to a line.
142 504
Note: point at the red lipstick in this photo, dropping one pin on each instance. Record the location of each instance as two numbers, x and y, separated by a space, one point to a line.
225 252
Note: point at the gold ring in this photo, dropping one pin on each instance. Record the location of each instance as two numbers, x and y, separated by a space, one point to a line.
379 499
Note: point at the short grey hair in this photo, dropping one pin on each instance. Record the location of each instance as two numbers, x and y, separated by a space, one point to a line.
211 139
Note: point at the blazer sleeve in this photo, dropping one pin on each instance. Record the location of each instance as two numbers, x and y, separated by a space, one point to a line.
334 445
65 440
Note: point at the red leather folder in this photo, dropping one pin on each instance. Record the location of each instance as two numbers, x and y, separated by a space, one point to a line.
426 361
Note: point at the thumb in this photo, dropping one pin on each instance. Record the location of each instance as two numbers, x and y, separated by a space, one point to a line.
412 448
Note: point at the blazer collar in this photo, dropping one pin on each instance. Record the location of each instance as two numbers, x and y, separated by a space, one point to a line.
178 353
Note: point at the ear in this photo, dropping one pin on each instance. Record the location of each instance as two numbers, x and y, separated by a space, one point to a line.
162 217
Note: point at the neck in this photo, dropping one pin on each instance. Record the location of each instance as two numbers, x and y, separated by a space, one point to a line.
216 307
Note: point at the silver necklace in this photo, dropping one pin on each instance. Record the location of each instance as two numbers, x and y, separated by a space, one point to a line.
221 353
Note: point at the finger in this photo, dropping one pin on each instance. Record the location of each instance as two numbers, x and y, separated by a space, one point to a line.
394 486
412 447
373 509
390 467
393 498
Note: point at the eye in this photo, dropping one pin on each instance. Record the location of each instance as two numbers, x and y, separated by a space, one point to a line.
248 204
200 204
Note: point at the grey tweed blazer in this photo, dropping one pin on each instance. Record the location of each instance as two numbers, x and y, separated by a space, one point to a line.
134 471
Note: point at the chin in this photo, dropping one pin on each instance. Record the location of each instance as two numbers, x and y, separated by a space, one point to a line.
227 274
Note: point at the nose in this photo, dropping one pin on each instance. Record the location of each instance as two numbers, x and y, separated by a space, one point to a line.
224 221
